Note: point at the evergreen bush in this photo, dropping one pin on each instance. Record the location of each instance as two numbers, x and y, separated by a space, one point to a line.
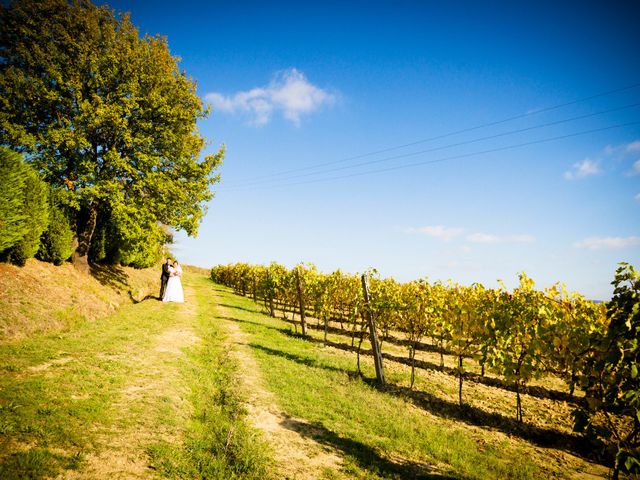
13 221
56 242
35 206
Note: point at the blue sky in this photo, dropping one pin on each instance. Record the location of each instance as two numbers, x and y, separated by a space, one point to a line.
297 85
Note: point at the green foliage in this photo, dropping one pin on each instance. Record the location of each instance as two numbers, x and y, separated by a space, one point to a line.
519 323
36 209
369 428
612 379
33 210
56 241
106 115
126 240
142 247
521 335
13 220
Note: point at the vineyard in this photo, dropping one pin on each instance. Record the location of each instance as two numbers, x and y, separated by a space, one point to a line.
506 339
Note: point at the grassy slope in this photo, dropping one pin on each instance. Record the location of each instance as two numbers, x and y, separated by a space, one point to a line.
75 400
397 433
149 387
42 297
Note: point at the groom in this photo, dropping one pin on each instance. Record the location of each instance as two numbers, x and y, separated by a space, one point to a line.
164 278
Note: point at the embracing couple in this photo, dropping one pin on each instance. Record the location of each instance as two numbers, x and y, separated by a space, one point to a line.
170 284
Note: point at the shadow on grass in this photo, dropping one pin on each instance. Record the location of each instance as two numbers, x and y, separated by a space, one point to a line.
110 276
257 324
534 391
363 455
543 437
306 361
258 308
144 299
113 276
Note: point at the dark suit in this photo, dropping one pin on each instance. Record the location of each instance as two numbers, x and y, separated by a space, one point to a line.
164 278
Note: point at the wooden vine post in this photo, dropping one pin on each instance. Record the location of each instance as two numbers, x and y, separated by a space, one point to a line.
375 345
272 310
303 321
255 288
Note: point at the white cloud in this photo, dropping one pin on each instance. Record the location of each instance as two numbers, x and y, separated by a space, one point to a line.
493 239
437 231
637 197
448 233
622 149
289 93
582 169
598 243
635 168
633 146
483 238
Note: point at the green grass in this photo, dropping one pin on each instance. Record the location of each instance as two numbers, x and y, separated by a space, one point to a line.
62 398
380 434
60 388
65 398
218 443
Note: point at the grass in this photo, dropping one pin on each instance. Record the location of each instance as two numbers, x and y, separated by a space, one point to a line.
157 386
151 374
59 393
218 442
41 297
396 433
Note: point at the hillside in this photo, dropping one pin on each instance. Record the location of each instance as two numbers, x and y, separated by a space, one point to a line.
214 388
41 297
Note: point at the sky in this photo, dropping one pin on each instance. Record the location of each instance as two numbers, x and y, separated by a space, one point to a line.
449 140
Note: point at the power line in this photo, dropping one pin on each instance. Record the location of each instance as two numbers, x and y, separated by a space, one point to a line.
443 147
449 134
453 157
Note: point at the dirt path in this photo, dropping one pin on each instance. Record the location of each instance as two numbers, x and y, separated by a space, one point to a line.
297 456
156 378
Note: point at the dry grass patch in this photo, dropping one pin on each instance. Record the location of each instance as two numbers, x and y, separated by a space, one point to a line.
41 297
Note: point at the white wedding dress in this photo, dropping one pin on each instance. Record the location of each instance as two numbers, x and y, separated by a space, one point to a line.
173 292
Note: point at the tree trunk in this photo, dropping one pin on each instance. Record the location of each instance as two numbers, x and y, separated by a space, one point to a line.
360 347
255 290
86 227
303 322
272 310
460 379
375 346
518 403
412 355
326 328
574 378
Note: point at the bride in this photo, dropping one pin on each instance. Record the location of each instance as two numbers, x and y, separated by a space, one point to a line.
173 292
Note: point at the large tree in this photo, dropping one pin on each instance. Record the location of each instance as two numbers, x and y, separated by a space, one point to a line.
105 114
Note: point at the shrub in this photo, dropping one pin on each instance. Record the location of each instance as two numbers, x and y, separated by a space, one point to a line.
33 207
612 376
122 238
56 242
13 225
36 208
